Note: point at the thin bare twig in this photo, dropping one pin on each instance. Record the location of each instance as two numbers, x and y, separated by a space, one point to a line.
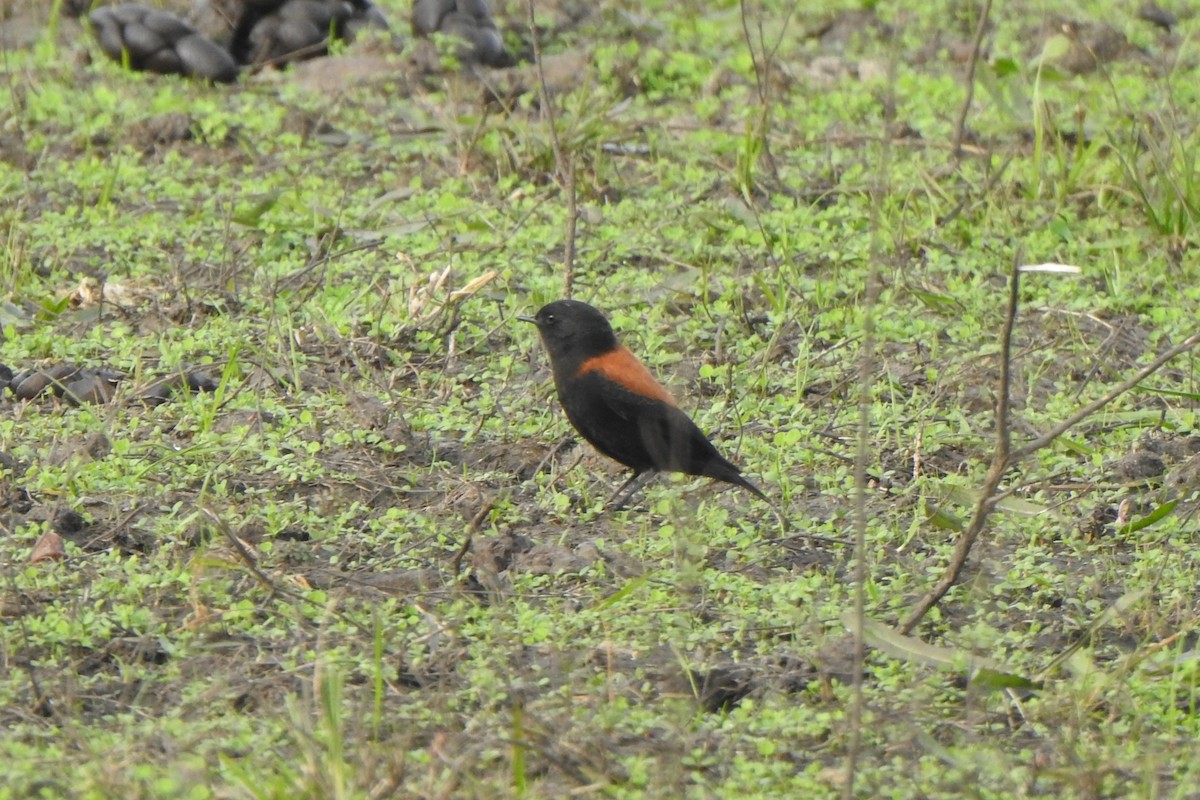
960 128
1001 460
1091 408
762 61
564 164
249 561
472 528
251 564
1006 457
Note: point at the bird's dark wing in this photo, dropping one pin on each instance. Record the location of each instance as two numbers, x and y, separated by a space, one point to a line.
667 436
645 433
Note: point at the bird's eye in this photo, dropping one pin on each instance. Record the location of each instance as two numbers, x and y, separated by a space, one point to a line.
550 320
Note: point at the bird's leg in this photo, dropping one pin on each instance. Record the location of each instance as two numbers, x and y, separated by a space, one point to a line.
635 482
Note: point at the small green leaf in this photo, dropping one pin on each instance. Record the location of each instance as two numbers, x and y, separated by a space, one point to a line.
1060 228
940 518
936 301
250 216
987 678
53 306
1171 393
1148 520
1003 67
1076 446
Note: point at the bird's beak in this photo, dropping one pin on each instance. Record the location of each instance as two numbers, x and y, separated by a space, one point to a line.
528 319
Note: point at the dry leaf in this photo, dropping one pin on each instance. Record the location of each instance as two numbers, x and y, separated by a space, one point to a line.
48 548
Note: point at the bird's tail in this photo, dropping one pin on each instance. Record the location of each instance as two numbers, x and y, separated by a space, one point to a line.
723 470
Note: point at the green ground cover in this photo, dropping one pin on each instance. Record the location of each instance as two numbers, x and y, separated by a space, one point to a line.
373 564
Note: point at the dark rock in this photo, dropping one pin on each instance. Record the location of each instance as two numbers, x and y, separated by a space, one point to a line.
204 59
296 29
427 15
468 20
163 62
28 384
158 41
170 27
69 522
1140 465
188 380
723 687
143 43
90 388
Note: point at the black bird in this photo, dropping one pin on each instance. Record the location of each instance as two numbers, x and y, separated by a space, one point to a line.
615 403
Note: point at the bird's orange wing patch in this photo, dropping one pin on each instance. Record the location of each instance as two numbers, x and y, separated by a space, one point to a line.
621 366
